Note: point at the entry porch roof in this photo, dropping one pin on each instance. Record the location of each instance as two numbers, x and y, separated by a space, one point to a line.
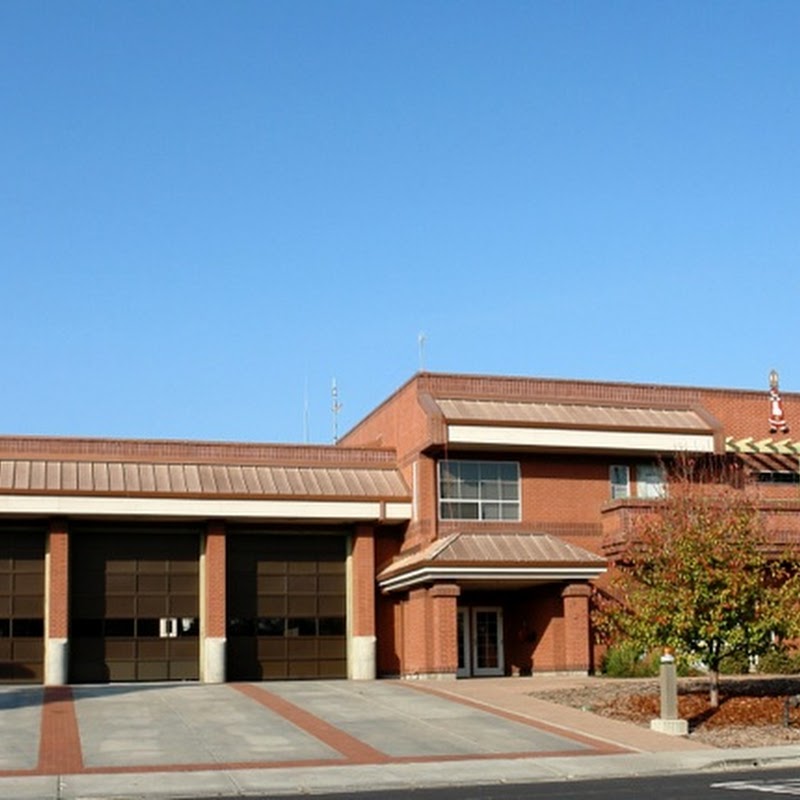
507 560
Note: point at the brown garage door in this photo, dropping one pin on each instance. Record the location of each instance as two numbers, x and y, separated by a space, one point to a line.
135 605
286 606
21 605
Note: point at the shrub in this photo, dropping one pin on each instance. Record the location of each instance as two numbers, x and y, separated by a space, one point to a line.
734 664
779 662
626 661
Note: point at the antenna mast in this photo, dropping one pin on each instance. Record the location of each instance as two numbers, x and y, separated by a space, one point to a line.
305 411
336 407
421 342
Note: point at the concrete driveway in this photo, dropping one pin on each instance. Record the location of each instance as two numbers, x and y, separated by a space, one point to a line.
141 727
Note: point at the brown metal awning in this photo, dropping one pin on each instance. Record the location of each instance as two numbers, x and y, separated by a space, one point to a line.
132 478
570 415
574 427
508 558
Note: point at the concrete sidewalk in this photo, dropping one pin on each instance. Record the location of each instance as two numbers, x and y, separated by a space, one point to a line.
277 739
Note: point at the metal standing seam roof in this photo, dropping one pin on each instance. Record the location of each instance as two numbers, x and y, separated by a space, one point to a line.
198 480
571 415
506 549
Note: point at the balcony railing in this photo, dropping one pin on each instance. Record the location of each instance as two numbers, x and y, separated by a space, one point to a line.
621 520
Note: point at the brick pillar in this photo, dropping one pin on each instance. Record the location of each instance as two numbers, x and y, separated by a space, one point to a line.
430 628
56 613
577 643
444 617
213 617
415 635
362 639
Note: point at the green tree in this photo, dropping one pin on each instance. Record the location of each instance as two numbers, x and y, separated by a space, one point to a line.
697 576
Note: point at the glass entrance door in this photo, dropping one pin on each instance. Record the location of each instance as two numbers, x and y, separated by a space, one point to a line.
487 641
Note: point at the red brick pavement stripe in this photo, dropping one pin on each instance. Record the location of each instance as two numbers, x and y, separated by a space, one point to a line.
353 749
60 741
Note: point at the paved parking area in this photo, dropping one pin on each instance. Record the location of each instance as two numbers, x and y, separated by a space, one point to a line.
189 726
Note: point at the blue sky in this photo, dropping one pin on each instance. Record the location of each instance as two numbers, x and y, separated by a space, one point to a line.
210 210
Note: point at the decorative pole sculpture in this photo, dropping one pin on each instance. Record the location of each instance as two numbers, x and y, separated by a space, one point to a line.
777 421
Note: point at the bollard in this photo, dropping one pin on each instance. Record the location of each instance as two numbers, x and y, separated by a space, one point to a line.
669 722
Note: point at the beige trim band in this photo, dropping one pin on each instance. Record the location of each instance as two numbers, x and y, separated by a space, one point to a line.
581 439
68 505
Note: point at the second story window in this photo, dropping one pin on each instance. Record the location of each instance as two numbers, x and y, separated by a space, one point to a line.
481 490
620 481
651 481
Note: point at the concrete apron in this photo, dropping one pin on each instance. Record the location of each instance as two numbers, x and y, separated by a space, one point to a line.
141 727
178 740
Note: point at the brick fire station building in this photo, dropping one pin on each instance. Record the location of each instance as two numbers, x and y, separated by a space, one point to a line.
456 530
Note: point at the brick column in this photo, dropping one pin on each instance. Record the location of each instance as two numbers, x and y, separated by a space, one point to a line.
444 616
416 632
213 617
430 628
56 612
362 638
577 644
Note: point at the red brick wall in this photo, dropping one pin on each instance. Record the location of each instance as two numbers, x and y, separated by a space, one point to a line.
58 590
746 413
444 621
416 633
215 622
429 631
399 422
576 627
363 581
549 654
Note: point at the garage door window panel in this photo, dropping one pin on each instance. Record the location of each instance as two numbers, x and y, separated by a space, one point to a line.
153 584
28 606
120 627
303 584
302 606
182 606
332 626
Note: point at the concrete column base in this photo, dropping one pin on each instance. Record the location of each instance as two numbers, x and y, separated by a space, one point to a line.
214 655
363 658
673 727
56 662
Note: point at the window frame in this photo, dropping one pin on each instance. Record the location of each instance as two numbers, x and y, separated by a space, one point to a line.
478 491
615 485
646 487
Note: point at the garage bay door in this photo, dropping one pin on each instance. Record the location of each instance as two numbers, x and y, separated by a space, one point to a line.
286 606
135 605
21 605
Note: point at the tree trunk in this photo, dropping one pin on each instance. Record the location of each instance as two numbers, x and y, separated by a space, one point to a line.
713 688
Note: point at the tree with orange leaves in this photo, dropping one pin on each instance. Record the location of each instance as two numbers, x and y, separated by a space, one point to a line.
697 576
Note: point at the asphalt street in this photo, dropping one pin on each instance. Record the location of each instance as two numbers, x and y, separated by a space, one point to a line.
747 785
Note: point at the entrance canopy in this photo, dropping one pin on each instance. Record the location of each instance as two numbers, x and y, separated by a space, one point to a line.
481 559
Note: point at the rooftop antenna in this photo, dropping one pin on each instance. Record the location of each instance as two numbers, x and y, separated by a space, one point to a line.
421 342
305 411
336 407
